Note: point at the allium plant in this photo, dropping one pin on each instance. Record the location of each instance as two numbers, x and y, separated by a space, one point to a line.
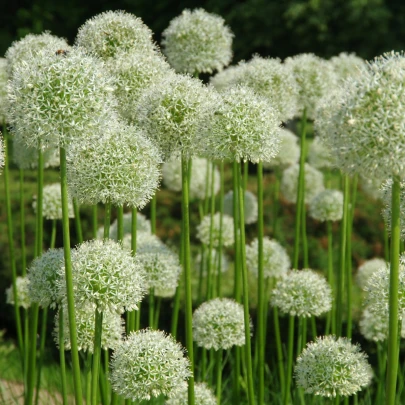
386 195
367 269
327 206
250 206
371 187
142 225
219 324
229 77
3 90
147 364
320 156
197 42
203 395
332 366
108 33
203 230
347 65
214 262
24 300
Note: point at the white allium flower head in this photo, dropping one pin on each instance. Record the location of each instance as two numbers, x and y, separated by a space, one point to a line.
112 31
229 77
332 366
3 90
302 293
202 393
121 167
214 262
203 230
112 328
386 191
106 275
171 112
22 284
251 207
319 155
52 202
367 269
371 187
347 65
59 98
32 45
327 206
289 152
200 172
197 42
142 225
315 77
43 275
148 363
276 262
313 183
219 324
244 126
135 72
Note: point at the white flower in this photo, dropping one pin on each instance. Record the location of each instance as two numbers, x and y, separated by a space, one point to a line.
319 155
3 90
22 284
251 206
202 393
327 206
347 65
367 269
203 230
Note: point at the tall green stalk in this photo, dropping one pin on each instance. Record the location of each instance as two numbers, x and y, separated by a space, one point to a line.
218 365
290 354
210 291
22 223
78 224
98 324
330 277
131 316
62 356
94 220
221 217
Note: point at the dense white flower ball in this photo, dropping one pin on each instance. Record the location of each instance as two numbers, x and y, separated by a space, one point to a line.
202 393
229 77
332 366
327 206
214 262
347 65
3 90
107 33
122 167
367 269
148 363
203 230
302 293
142 225
197 42
276 262
244 126
313 183
43 275
319 155
386 195
22 284
219 324
371 187
250 205
106 275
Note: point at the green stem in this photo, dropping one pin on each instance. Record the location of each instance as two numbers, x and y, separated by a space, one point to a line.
157 312
218 364
290 354
237 278
87 373
107 220
221 216
120 223
22 224
236 374
62 356
53 235
41 352
94 220
151 307
211 241
131 316
276 202
98 324
280 357
331 314
78 224
304 235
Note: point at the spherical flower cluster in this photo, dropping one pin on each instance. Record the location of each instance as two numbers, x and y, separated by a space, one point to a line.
367 269
302 293
22 284
229 77
200 174
43 275
332 366
106 275
148 363
371 186
313 183
202 393
122 167
52 202
171 112
112 328
197 42
107 33
347 65
203 230
289 152
214 262
319 155
276 262
327 206
244 126
219 324
142 225
135 73
386 191
251 207
55 99
3 90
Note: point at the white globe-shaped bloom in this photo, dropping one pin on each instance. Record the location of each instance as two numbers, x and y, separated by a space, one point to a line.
315 77
202 393
276 262
302 293
319 155
203 230
229 77
371 187
33 45
56 99
171 112
111 334
332 366
24 299
121 167
313 183
3 90
148 363
244 126
142 225
214 262
52 202
386 195
135 72
200 173
251 207
106 275
347 65
327 206
219 324
43 275
289 152
112 31
197 42
367 269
